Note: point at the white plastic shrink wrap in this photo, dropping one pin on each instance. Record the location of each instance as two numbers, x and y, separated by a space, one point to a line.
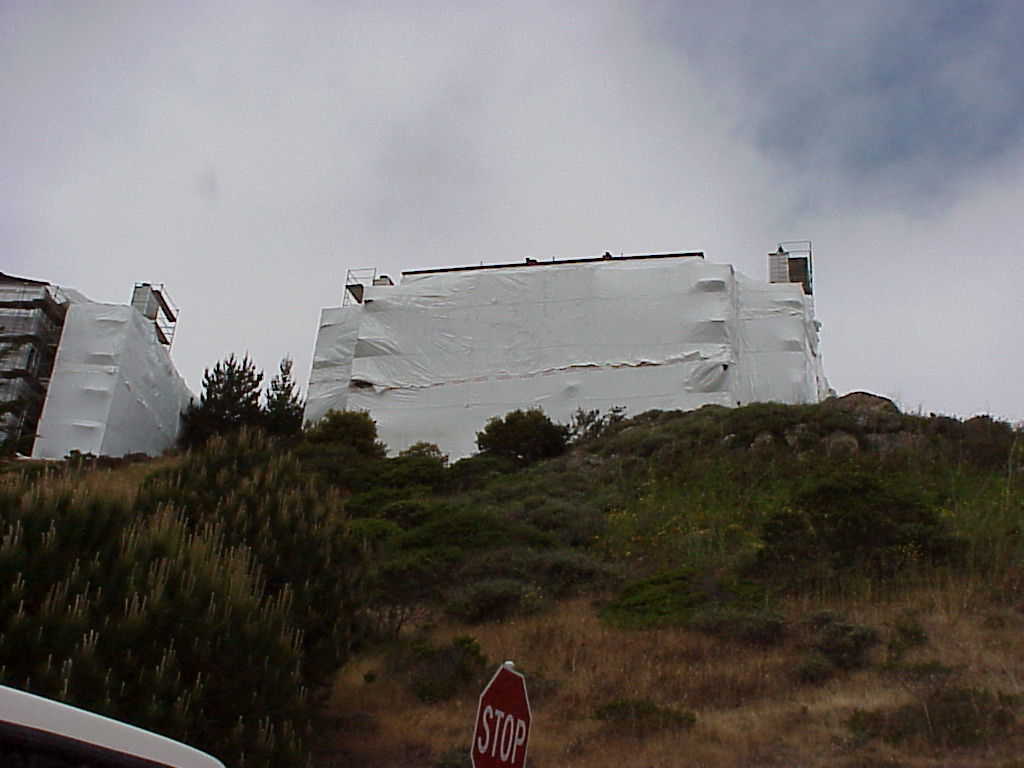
438 355
114 389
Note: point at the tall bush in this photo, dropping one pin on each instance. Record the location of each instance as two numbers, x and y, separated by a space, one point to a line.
215 608
150 620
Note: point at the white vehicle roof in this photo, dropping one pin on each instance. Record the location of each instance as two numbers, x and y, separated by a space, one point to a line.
30 711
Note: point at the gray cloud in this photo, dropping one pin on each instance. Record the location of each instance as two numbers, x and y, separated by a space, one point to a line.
247 156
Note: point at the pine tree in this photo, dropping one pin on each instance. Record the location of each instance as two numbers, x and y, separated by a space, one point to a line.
230 400
283 411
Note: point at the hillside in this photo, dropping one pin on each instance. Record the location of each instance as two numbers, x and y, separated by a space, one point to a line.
771 585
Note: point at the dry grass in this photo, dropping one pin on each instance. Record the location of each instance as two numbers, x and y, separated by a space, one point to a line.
750 709
120 484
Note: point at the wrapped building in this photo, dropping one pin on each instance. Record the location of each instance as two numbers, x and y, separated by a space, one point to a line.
78 375
435 356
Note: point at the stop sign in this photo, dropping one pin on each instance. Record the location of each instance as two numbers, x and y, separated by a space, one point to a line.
502 722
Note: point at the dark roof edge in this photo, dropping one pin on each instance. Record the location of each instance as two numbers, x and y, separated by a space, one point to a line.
4 277
556 262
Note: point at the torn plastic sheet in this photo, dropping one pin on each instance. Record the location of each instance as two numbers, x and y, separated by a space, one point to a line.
114 389
438 355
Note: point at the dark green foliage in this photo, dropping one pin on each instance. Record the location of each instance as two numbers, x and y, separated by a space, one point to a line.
375 499
665 600
415 469
406 584
948 717
498 583
573 523
854 521
471 531
641 717
487 600
352 429
525 436
564 573
406 513
813 669
834 645
423 449
987 442
846 646
230 400
421 566
438 673
686 598
477 471
751 626
905 634
282 414
373 532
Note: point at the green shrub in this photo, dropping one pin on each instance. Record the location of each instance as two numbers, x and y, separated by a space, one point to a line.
372 501
477 471
641 717
754 627
846 645
354 429
411 470
814 668
490 600
573 523
564 573
854 521
406 513
559 573
402 585
525 436
438 674
988 442
906 633
678 598
948 717
372 532
471 530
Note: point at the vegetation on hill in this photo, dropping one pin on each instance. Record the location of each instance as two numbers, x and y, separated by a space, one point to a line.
741 583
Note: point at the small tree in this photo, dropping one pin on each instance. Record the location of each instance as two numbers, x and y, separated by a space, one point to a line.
283 411
230 400
526 436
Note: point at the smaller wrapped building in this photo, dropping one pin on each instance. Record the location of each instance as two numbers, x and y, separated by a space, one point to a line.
78 375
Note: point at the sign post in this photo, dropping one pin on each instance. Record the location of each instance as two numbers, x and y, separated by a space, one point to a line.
502 721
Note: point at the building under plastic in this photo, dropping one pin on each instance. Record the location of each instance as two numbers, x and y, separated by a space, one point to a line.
437 355
77 375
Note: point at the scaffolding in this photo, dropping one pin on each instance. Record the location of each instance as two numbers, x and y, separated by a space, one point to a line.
31 321
792 263
356 281
152 301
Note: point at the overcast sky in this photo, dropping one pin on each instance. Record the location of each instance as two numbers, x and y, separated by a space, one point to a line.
247 153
